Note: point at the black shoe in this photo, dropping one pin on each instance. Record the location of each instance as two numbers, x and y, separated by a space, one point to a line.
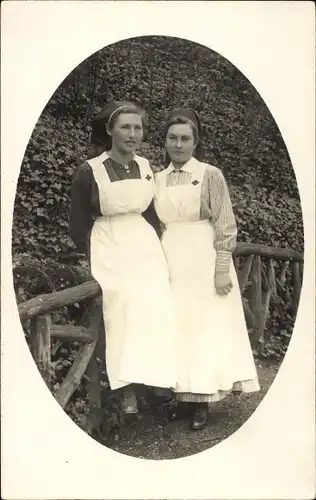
200 417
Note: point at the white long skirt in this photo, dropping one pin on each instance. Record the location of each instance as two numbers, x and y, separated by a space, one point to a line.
214 354
129 264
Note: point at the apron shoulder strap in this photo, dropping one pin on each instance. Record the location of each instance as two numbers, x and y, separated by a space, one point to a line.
199 173
160 178
144 167
98 169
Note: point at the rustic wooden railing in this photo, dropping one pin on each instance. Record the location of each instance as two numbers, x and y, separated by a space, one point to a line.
259 285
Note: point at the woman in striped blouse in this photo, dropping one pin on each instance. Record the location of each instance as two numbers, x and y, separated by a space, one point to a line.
214 355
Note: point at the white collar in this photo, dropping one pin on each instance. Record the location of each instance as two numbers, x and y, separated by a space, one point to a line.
189 166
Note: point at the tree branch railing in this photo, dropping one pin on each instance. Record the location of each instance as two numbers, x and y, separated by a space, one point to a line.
260 288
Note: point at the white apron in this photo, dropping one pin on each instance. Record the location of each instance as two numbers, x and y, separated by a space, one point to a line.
129 264
214 355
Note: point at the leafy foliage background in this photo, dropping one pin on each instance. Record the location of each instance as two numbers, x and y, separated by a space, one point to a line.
240 137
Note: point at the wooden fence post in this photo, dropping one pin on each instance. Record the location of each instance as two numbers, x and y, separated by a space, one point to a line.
93 371
270 286
40 345
256 291
243 275
296 285
301 271
75 374
283 272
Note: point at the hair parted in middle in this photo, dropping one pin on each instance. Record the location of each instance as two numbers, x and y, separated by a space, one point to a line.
100 140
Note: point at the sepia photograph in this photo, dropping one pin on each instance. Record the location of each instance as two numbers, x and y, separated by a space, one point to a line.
157 250
158 247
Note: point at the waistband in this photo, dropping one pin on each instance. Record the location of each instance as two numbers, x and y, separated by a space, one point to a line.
196 223
119 217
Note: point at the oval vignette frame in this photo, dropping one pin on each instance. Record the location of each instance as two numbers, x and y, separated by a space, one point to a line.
218 152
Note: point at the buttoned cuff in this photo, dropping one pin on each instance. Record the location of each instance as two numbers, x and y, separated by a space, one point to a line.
223 260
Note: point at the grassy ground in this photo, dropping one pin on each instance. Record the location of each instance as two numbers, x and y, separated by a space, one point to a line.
156 433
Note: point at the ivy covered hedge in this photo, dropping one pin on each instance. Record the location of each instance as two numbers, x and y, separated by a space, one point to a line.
240 137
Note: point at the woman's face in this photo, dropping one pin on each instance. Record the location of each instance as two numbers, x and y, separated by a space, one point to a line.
126 132
180 142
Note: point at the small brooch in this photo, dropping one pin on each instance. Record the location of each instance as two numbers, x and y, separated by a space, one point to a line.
148 177
195 183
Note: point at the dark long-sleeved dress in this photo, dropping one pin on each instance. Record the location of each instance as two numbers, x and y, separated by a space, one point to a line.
107 220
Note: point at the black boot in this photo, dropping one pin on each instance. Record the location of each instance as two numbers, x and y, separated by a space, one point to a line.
200 416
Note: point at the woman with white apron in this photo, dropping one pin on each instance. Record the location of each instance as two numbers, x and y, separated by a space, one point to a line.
214 355
110 191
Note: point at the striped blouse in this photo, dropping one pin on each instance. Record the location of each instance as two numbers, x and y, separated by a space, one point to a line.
215 205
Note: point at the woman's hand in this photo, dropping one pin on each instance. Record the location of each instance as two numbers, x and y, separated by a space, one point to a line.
223 283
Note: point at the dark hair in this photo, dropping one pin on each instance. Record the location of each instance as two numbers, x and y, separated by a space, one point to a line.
100 140
198 153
